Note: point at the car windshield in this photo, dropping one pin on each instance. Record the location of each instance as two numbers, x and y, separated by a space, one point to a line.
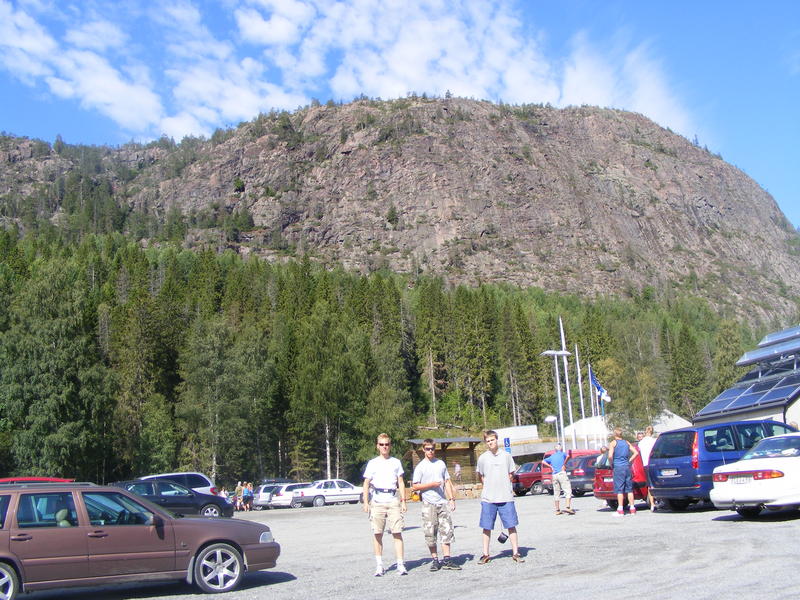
525 468
778 447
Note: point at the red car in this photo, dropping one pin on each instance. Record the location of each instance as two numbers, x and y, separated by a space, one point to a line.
604 481
537 477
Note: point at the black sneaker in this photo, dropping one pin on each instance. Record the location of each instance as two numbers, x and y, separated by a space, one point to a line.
447 563
436 565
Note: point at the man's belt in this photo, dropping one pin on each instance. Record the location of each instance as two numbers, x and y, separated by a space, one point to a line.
385 490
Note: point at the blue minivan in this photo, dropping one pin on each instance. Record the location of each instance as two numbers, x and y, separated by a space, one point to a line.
683 460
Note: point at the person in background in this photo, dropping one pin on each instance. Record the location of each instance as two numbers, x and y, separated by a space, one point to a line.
237 496
383 476
620 455
558 461
438 501
495 468
457 472
639 436
645 447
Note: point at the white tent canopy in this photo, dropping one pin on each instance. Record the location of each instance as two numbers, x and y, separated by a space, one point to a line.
667 421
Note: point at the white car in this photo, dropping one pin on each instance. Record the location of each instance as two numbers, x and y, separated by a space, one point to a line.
767 476
196 481
282 495
328 491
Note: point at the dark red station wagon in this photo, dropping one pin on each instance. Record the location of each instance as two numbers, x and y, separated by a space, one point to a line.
55 535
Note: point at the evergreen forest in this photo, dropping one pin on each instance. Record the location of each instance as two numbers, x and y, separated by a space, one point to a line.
120 360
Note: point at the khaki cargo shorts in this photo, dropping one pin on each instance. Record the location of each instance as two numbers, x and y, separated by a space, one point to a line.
383 514
436 519
561 482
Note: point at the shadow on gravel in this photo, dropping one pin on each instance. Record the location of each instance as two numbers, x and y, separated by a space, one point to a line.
264 578
768 516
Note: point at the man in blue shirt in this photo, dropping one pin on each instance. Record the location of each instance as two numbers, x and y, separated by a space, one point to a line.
557 461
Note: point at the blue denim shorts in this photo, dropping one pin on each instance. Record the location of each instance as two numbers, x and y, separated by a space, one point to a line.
623 482
490 510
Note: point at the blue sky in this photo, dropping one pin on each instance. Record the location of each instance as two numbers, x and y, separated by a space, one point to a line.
107 72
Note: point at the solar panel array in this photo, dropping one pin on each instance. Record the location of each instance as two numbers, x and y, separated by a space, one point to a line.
758 393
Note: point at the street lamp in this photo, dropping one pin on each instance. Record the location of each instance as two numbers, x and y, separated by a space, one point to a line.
552 419
557 381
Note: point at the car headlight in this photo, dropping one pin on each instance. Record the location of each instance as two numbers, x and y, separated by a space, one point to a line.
266 538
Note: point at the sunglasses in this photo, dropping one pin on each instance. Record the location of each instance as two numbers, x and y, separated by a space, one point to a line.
382 444
429 449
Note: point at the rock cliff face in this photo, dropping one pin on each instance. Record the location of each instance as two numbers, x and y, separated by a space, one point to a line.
582 200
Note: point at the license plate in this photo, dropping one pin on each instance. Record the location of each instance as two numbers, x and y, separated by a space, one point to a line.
608 480
740 479
668 472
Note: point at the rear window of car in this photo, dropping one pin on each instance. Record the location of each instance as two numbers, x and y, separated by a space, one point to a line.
4 501
781 447
525 468
776 429
673 444
46 509
573 463
193 480
718 439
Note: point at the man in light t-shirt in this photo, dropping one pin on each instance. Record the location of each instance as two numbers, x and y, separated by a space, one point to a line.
495 468
383 477
438 500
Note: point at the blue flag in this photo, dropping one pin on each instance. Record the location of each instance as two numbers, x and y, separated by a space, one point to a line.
601 391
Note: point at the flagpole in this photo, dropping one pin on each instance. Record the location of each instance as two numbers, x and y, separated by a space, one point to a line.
566 382
580 391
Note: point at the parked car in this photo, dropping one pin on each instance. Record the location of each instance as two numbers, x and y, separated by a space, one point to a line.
282 495
580 470
196 481
177 498
328 491
604 481
534 477
683 460
262 496
767 476
59 535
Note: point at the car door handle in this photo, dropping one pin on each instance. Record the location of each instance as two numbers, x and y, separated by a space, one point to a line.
97 534
22 537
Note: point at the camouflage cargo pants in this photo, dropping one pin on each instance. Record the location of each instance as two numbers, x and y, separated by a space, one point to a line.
436 519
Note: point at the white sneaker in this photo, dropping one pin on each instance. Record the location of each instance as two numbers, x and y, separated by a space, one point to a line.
401 570
379 571
619 513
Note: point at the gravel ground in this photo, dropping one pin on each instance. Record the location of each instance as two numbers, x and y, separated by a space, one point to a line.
327 553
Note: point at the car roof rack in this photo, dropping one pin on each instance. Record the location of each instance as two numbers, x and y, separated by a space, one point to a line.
37 484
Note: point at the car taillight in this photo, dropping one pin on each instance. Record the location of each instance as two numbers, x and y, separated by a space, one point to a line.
579 472
769 474
214 491
695 453
720 477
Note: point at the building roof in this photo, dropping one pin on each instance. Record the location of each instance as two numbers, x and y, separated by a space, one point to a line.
455 440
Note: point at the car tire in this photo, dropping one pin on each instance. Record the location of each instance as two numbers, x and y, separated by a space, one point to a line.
319 501
218 568
210 510
520 492
354 501
536 487
612 504
578 493
9 582
748 512
295 504
678 505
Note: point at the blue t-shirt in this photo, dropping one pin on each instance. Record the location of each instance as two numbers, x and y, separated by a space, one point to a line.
556 460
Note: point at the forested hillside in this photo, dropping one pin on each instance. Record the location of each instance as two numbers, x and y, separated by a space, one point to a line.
118 359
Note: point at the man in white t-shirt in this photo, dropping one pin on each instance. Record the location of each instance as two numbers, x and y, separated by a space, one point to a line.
645 446
383 477
438 500
495 468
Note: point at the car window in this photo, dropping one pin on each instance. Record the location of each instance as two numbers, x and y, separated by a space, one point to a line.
573 463
538 467
4 502
345 485
782 447
169 488
749 434
46 509
112 508
328 485
193 480
673 444
718 439
143 488
776 429
525 468
601 461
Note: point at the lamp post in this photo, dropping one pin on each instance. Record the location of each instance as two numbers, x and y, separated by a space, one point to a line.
557 381
553 419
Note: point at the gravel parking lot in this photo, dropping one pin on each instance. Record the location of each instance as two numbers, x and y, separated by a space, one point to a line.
327 553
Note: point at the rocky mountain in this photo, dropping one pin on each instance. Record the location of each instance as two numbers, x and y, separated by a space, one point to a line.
584 200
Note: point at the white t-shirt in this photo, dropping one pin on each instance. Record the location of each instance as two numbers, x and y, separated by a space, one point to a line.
427 472
645 446
383 473
495 469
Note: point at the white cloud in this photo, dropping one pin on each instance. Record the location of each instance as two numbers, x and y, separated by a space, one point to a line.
96 35
24 45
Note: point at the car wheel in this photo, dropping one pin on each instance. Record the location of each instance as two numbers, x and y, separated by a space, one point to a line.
678 505
536 488
578 493
748 512
210 510
354 501
296 504
218 568
612 504
9 584
319 501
